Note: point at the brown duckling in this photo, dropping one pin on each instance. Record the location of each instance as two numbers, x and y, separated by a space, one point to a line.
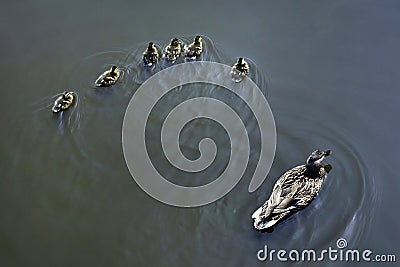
150 55
108 78
173 50
194 49
63 102
239 70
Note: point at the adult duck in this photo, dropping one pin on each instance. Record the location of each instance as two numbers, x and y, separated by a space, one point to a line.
293 191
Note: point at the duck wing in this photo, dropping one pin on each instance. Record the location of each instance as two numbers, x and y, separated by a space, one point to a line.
283 200
106 79
285 192
293 191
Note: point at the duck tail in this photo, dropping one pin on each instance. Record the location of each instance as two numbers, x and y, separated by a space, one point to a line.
271 223
262 219
257 213
56 109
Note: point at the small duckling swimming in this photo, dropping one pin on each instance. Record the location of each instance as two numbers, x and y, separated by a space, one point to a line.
239 70
293 191
63 102
150 55
195 49
108 78
173 50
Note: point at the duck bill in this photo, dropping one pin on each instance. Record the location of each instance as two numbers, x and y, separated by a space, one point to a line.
327 153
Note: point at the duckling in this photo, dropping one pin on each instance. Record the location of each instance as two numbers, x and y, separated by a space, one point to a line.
239 70
108 78
195 49
173 50
293 191
150 55
63 102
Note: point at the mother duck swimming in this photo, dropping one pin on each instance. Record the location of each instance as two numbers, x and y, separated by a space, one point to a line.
293 191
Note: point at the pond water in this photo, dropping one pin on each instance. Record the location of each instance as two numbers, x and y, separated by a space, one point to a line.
328 70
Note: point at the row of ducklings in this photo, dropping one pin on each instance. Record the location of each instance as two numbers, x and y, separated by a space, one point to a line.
150 57
173 51
293 191
192 52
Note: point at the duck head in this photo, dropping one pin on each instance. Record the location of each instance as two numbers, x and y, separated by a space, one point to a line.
317 157
114 70
242 65
175 42
68 94
198 39
151 47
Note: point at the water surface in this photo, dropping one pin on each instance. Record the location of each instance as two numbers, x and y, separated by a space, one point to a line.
66 195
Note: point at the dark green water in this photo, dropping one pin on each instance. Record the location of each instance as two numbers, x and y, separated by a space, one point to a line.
66 195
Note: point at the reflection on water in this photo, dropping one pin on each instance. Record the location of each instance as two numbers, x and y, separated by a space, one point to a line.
79 155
